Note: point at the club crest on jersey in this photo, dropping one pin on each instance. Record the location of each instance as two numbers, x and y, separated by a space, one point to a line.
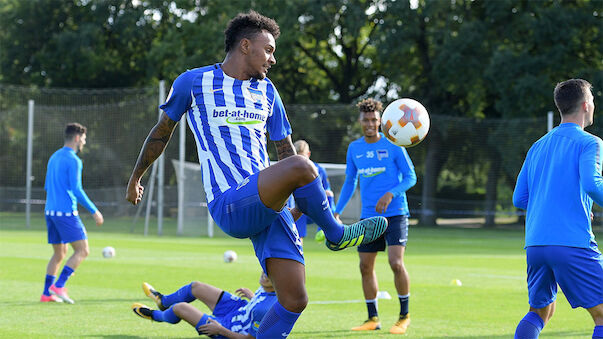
256 95
382 153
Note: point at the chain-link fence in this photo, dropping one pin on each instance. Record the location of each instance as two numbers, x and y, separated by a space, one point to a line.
465 168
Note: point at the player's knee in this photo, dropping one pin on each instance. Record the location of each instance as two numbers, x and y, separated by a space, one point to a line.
304 168
365 269
197 287
82 252
397 266
180 308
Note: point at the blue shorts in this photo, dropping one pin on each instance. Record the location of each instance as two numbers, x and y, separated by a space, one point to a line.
395 234
227 304
64 229
578 271
240 213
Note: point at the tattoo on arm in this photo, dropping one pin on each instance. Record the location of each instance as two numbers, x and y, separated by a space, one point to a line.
284 148
153 146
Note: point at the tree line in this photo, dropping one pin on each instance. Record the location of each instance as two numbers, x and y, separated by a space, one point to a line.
473 59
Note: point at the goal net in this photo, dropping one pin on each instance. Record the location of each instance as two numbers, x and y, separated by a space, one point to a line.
192 207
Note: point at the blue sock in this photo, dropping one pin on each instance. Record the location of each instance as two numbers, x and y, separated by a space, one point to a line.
312 200
529 327
167 316
184 294
47 283
371 306
403 304
598 332
276 322
65 274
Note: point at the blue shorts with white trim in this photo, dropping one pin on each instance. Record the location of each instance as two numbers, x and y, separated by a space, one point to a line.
64 227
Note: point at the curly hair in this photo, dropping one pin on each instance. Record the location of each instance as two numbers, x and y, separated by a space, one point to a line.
247 25
369 105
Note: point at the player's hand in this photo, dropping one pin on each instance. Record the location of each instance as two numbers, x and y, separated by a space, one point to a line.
98 218
211 327
134 192
244 292
383 202
336 216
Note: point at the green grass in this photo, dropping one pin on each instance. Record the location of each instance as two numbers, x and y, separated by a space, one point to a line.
490 302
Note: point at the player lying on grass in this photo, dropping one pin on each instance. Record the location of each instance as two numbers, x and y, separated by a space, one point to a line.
232 316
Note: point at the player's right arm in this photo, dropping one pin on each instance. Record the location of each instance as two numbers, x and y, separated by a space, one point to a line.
152 148
521 193
349 185
177 103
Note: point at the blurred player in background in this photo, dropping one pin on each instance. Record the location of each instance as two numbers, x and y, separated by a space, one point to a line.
63 191
385 173
302 148
559 179
232 317
230 107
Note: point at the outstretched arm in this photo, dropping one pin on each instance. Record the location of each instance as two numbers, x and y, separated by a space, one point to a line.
151 150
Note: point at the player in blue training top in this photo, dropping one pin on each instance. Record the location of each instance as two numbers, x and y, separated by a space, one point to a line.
63 192
230 107
302 148
559 179
385 173
232 317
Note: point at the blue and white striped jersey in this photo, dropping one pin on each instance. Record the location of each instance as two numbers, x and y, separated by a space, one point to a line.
229 119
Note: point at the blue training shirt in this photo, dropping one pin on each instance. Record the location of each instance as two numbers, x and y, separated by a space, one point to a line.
229 119
380 167
64 183
559 179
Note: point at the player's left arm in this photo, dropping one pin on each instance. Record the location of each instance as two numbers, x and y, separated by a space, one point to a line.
74 173
590 171
284 148
153 146
409 179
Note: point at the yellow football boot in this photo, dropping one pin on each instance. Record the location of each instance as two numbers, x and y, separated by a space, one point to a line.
401 325
369 325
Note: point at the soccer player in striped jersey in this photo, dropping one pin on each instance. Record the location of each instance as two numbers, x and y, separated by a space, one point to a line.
559 179
63 191
230 107
232 316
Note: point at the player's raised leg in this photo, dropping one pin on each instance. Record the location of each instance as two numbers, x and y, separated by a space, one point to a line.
298 175
288 278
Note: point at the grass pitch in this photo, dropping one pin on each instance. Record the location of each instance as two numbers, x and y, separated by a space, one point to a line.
490 302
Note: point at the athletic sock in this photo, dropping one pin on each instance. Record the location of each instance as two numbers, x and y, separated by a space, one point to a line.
277 323
312 200
598 332
403 304
65 274
529 327
167 316
47 283
184 294
372 307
